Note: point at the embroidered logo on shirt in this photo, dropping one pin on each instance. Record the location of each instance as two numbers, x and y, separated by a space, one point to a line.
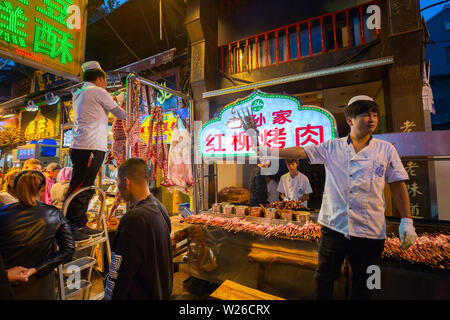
380 170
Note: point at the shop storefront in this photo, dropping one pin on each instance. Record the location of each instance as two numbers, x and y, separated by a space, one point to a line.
323 60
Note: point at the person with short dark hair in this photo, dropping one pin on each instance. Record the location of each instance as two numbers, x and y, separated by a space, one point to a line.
352 216
91 106
36 236
142 259
294 185
258 185
91 75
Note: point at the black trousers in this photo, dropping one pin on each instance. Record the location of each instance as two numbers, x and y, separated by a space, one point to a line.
86 164
333 248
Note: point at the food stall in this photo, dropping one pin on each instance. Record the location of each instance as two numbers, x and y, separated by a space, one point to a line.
147 133
275 248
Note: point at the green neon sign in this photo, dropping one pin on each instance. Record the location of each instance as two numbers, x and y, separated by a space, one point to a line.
38 31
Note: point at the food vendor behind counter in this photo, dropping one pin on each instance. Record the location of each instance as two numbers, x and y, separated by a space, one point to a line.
294 185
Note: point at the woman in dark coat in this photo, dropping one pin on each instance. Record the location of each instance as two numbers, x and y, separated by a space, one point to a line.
30 232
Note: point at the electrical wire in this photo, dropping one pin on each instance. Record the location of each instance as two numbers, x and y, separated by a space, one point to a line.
118 35
433 5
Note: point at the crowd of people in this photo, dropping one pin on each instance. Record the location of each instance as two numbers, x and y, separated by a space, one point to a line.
35 237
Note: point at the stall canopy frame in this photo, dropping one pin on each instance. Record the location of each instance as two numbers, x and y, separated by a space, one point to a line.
187 98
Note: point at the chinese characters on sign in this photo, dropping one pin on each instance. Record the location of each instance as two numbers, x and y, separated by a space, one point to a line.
40 128
418 201
413 189
169 123
407 125
281 121
39 31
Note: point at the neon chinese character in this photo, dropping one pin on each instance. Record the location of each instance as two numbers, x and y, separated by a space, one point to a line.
273 138
281 117
210 139
415 209
259 119
52 42
410 166
413 189
313 134
9 30
56 10
407 125
241 141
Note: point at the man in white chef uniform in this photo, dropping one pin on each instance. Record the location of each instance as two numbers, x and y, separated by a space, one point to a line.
294 185
358 167
91 107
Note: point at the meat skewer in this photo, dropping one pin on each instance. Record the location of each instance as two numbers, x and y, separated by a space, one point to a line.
429 250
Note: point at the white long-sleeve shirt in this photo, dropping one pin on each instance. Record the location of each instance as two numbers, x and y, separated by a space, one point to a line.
91 105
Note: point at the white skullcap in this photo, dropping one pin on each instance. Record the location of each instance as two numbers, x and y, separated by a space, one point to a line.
90 65
359 98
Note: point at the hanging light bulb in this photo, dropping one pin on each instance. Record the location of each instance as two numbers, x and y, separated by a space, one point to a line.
51 98
31 106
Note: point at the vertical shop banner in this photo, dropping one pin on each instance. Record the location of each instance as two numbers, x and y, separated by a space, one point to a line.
281 120
45 34
417 187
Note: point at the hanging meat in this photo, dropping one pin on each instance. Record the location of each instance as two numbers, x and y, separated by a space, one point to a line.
157 152
121 132
179 167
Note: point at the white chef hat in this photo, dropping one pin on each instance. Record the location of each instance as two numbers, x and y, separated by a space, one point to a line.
90 65
359 98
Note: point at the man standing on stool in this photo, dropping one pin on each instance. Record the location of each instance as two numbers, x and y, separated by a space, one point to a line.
91 107
352 215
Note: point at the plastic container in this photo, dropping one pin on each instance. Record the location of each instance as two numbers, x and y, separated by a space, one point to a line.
271 213
241 210
286 215
256 212
228 209
301 216
217 207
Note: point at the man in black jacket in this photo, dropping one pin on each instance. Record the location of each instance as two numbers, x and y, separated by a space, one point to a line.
142 261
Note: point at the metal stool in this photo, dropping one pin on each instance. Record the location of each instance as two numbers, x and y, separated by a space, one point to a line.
88 261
